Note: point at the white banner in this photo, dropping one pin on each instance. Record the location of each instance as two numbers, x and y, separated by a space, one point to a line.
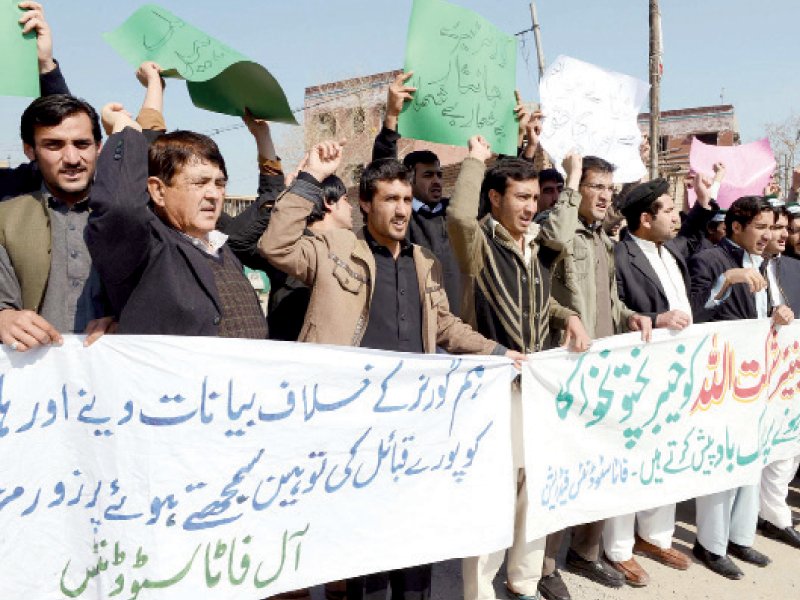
192 468
593 112
629 426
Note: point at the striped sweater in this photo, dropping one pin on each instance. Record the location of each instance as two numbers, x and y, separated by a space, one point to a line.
506 293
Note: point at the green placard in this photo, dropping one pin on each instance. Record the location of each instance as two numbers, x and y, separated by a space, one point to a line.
465 74
19 63
219 78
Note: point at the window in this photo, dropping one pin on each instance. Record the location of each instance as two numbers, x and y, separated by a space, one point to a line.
326 126
707 138
359 120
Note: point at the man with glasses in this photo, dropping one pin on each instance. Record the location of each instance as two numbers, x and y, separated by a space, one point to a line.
584 281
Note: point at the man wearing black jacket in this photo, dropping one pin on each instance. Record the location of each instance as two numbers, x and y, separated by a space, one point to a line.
652 279
728 284
783 277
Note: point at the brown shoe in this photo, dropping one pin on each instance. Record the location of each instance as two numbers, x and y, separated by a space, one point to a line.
634 574
666 556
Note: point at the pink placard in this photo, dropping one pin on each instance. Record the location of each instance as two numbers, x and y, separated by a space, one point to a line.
747 168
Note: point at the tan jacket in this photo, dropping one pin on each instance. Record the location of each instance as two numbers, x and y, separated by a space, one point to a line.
25 236
574 281
340 270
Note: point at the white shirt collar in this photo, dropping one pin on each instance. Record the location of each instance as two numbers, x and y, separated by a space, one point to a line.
211 246
416 205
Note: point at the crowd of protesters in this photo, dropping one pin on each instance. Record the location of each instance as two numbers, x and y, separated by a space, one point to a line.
132 238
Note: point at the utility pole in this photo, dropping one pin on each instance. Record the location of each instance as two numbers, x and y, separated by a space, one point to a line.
537 38
655 85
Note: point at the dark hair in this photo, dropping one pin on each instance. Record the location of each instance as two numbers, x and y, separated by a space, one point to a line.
49 111
497 178
171 152
634 215
780 211
384 169
333 189
744 210
419 157
548 175
597 164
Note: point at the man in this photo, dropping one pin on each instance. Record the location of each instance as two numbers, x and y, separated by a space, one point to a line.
652 279
551 184
153 239
26 178
793 241
378 291
289 297
48 284
715 230
783 277
584 280
245 229
727 284
500 251
428 226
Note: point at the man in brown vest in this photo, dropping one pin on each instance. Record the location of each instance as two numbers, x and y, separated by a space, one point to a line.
47 282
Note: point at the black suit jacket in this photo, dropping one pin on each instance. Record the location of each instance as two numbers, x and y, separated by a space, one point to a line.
637 283
157 281
704 270
787 270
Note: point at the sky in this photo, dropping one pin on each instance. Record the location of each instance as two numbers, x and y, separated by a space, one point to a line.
742 52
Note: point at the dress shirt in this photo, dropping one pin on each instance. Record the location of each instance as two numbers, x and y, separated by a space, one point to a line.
774 289
74 294
216 240
417 205
395 312
668 273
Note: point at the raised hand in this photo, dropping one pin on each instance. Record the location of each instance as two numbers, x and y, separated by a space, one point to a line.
324 159
479 148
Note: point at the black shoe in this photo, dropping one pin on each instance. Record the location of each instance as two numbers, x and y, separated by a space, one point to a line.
594 570
552 587
789 535
721 565
748 554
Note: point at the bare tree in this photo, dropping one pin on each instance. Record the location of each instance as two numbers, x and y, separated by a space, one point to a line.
784 137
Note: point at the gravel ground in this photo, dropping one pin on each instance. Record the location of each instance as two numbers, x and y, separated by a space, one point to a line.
778 581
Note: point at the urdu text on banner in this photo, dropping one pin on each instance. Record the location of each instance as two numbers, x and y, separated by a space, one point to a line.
630 426
191 468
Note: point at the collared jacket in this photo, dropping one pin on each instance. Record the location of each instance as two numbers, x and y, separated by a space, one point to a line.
574 281
340 269
157 281
638 285
787 271
704 270
507 297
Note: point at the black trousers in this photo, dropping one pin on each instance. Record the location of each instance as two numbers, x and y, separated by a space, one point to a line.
413 583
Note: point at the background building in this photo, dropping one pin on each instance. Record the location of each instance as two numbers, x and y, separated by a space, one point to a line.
714 125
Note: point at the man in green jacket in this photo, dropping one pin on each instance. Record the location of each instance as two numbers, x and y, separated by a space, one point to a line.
584 280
